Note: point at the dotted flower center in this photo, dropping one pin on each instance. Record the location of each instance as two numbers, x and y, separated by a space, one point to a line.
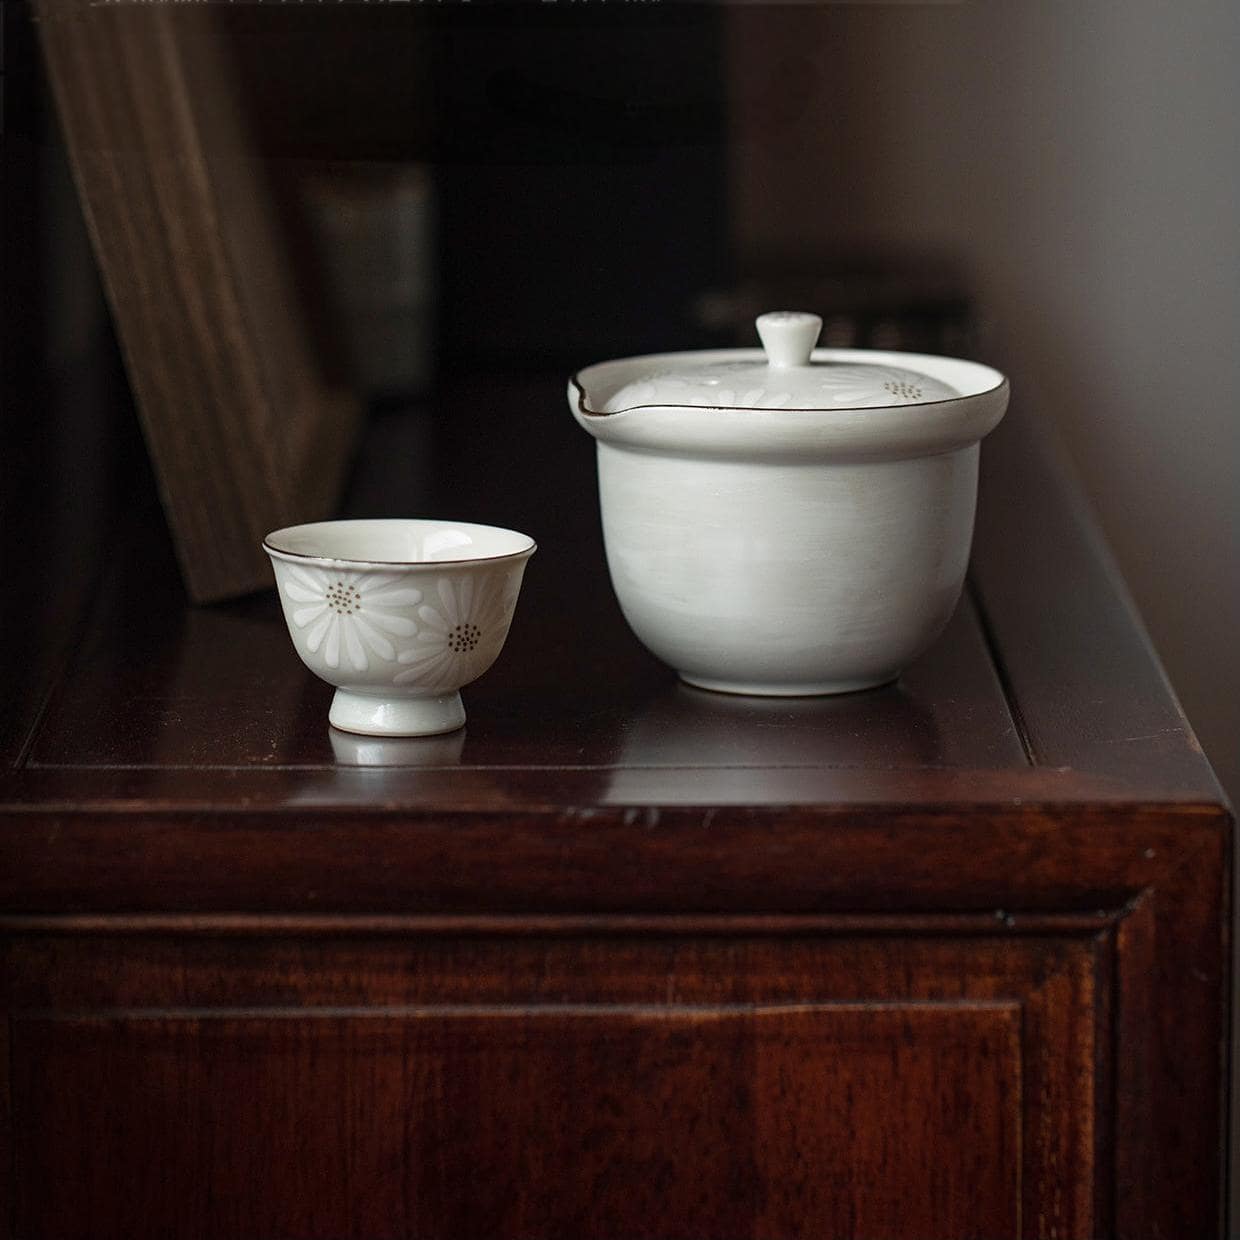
342 599
464 638
903 389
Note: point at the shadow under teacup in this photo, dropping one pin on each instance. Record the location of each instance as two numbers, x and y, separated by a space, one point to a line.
398 614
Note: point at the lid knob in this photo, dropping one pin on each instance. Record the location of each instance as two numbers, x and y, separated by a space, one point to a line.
788 336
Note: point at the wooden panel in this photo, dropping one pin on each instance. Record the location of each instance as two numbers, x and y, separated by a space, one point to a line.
245 432
127 964
370 854
1163 875
899 1122
838 1073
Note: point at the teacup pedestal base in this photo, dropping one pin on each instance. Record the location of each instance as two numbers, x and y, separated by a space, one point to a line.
379 715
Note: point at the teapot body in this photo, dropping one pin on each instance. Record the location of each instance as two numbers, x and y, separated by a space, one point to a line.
795 522
786 577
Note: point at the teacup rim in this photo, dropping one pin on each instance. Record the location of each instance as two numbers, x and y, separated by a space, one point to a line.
301 557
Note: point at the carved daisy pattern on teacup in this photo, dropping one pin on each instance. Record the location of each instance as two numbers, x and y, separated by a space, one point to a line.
354 615
461 626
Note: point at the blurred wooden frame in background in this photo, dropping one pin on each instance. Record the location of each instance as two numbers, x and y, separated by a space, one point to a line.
244 430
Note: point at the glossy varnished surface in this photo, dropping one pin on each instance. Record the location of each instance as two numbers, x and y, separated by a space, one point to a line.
696 1084
584 1088
622 958
221 687
156 685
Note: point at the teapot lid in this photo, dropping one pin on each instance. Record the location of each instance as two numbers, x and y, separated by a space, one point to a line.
788 378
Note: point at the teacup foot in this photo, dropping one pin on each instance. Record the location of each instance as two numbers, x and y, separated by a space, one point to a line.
374 715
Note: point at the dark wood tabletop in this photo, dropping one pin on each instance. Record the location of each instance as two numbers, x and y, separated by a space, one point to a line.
1030 780
1043 690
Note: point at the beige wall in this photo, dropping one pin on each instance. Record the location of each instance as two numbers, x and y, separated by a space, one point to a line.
1083 160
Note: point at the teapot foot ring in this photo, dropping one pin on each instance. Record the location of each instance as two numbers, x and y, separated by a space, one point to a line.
827 688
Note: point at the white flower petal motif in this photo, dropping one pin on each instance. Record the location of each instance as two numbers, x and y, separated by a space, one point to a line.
350 614
462 625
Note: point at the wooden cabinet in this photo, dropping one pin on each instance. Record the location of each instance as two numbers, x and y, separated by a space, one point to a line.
947 959
625 1080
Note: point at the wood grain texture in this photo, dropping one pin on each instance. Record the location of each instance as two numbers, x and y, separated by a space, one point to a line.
244 432
187 666
1066 630
603 702
925 1051
574 690
1134 1094
609 862
385 858
521 1121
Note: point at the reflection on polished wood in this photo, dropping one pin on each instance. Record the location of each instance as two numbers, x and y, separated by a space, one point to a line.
622 958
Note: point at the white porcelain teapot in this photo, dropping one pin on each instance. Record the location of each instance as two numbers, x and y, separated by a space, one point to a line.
790 520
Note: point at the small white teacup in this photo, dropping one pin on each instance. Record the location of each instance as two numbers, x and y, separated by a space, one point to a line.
398 614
